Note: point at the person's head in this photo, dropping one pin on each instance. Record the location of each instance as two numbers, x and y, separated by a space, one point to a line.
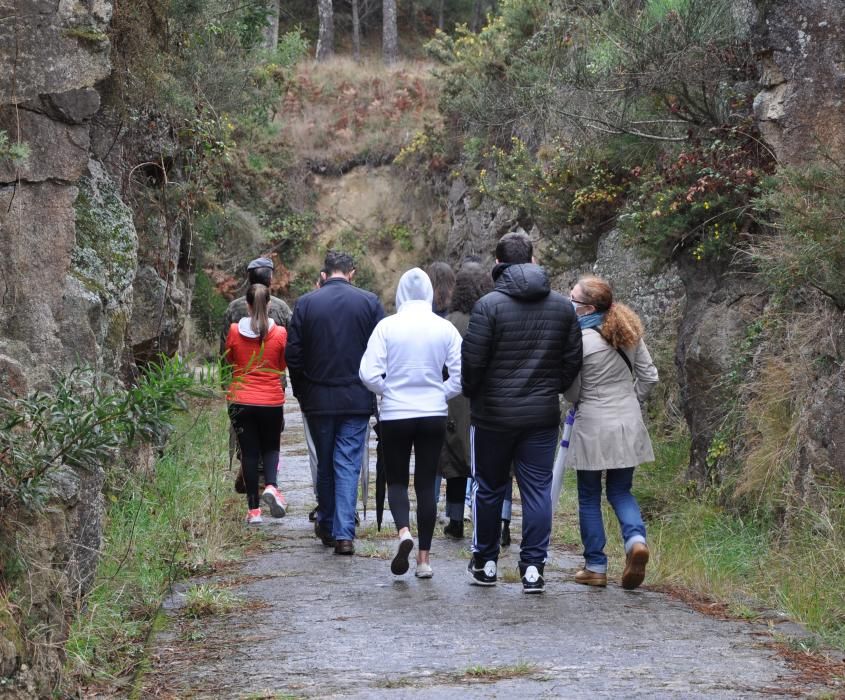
471 283
339 264
591 294
258 299
260 271
443 280
621 327
414 285
515 247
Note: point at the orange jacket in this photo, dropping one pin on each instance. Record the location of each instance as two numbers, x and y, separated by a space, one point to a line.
257 367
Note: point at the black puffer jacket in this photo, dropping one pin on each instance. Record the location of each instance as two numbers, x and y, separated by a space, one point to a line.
522 349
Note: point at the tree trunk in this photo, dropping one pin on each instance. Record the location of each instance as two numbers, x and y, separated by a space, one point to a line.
271 31
440 20
356 31
325 40
390 33
477 16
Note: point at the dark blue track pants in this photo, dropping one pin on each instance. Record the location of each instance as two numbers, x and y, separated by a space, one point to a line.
532 453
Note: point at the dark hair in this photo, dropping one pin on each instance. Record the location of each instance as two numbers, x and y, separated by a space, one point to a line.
471 283
443 281
338 261
514 247
260 275
258 297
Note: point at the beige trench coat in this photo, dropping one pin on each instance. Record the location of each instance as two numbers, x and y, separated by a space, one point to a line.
609 432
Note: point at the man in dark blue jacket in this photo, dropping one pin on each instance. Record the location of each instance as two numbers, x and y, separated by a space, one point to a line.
327 337
522 348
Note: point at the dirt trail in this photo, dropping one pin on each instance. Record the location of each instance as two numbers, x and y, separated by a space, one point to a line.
322 625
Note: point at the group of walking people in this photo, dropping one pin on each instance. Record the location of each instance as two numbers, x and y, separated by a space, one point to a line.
467 375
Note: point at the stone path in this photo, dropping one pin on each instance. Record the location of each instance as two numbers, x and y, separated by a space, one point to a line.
321 625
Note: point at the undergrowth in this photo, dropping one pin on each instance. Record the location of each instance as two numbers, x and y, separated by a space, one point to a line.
178 521
339 110
744 560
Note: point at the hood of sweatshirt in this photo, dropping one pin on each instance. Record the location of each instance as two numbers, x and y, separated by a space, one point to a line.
244 327
522 281
414 285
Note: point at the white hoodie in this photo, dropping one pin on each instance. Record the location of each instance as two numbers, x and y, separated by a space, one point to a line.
410 349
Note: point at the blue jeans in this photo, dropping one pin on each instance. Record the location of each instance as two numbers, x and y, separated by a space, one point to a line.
532 453
340 444
589 514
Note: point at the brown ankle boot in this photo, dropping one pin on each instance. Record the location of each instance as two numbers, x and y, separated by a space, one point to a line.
635 562
590 578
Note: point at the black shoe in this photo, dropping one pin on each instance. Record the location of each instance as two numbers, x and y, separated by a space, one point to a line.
506 533
312 516
484 575
399 565
455 529
532 578
327 539
344 547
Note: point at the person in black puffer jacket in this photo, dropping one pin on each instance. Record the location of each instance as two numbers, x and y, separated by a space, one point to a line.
521 350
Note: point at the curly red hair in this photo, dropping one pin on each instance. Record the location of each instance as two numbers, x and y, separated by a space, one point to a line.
622 327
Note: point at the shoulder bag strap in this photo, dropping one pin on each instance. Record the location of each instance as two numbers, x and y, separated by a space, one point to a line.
621 353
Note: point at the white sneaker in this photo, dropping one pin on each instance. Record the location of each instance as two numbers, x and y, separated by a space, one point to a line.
424 571
275 501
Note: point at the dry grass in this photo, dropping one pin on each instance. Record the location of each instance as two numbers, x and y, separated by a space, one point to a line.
340 110
772 438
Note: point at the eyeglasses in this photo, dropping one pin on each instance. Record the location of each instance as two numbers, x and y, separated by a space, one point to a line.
577 301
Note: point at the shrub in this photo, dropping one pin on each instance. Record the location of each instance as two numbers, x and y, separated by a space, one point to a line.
805 208
80 422
555 186
697 201
207 307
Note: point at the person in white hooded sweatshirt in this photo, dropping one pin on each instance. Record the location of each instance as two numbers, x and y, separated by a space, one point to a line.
404 364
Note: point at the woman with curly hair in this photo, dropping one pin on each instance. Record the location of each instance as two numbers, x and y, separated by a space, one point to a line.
609 435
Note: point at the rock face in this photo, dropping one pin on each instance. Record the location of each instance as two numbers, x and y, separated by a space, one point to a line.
801 108
68 255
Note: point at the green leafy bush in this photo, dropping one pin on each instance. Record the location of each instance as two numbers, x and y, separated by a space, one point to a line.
80 422
207 307
292 235
556 186
698 201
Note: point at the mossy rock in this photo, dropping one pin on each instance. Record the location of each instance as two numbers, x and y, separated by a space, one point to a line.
106 252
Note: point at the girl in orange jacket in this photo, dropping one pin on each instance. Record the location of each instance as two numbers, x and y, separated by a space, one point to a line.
255 348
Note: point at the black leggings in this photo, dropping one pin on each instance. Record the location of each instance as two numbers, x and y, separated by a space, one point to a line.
425 435
259 430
